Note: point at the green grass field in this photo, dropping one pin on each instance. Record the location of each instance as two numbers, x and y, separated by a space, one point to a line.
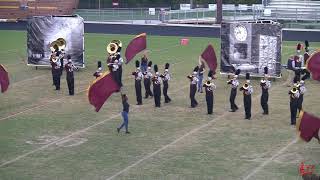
48 135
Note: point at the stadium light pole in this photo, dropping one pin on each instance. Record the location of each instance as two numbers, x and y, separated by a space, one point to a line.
219 12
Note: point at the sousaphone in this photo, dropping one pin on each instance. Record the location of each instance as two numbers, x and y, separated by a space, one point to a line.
118 42
112 48
54 45
62 43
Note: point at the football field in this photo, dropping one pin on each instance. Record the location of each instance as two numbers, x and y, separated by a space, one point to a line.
49 135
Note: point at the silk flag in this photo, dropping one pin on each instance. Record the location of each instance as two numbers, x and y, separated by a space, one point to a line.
313 65
308 126
136 45
4 79
101 89
210 57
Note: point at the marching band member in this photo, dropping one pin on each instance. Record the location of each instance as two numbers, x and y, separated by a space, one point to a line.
53 53
53 56
98 72
193 86
120 62
147 76
156 87
61 57
234 85
70 78
114 70
306 54
247 91
302 90
138 77
265 86
200 76
294 64
56 71
165 78
209 88
294 96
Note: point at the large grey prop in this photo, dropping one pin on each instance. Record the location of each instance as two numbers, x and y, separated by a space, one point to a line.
42 30
250 46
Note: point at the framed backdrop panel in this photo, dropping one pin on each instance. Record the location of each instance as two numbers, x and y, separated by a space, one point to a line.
42 30
250 46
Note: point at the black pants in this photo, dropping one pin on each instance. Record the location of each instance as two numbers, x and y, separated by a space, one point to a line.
115 76
137 85
165 92
120 75
247 106
300 101
232 98
52 72
56 78
293 110
209 99
70 82
157 95
264 102
147 84
193 89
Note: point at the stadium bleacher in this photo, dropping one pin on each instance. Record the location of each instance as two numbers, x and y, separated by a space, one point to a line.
17 9
299 10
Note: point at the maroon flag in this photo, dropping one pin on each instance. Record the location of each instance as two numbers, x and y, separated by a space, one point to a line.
100 90
4 79
308 126
313 65
136 45
210 57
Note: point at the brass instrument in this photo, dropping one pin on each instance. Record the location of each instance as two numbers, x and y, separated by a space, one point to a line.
117 42
112 48
59 44
62 43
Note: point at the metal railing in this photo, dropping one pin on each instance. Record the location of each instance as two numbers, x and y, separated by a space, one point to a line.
199 15
120 14
293 14
202 15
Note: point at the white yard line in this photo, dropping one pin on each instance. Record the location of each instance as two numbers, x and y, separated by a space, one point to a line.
173 142
282 150
49 102
70 135
36 107
166 146
29 79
